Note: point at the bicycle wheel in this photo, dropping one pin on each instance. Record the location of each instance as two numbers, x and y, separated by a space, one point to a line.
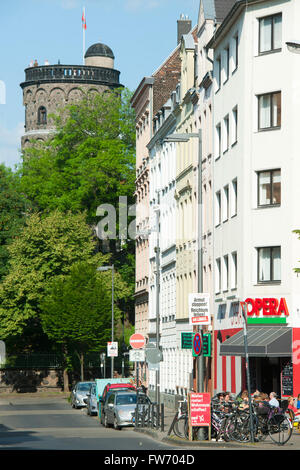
280 429
179 426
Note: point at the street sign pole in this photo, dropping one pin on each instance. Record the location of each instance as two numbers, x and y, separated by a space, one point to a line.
244 309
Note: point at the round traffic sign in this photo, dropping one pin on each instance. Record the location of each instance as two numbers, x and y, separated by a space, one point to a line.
137 341
197 344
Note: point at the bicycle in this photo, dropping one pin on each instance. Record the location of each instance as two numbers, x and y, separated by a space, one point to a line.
180 420
276 424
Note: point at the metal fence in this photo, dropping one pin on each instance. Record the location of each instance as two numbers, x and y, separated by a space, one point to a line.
149 416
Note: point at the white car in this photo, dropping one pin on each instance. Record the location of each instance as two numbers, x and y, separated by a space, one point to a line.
79 393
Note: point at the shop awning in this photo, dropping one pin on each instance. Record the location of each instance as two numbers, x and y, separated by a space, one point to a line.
263 341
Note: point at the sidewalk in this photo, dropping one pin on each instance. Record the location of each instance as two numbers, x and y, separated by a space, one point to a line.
172 439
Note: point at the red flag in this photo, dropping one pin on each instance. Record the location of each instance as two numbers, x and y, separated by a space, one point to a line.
83 20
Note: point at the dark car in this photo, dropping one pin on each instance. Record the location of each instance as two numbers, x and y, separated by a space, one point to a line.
79 393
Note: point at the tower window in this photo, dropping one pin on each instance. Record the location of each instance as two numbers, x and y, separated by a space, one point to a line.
42 115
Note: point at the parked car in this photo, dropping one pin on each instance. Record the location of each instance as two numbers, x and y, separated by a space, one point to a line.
108 389
120 406
91 401
79 393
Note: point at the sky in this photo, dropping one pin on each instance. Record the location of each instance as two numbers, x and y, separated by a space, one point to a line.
141 34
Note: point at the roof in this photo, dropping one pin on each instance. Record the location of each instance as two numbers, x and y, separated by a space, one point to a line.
263 341
222 8
99 49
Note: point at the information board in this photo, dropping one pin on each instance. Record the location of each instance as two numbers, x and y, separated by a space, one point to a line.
199 404
287 380
199 311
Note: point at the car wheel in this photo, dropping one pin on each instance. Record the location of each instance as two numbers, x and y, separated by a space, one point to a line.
116 426
106 425
87 411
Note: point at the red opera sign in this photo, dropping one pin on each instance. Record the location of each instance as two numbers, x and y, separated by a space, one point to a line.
269 307
200 409
137 341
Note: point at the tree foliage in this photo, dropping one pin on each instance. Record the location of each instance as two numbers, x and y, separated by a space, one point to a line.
46 248
12 213
90 159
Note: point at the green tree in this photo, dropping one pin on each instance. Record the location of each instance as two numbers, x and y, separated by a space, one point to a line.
90 160
12 213
47 247
76 312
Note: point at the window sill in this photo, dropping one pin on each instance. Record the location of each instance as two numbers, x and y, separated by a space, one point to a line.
225 151
267 283
233 216
235 70
267 206
271 51
226 81
266 129
218 158
217 91
234 144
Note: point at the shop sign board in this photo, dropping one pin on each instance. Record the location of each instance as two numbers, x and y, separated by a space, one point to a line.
112 349
268 307
199 311
199 405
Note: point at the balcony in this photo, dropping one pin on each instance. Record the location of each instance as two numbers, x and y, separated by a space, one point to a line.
71 74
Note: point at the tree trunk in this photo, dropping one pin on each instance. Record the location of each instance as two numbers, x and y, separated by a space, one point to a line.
65 371
81 367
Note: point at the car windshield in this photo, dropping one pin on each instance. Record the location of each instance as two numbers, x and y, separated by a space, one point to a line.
83 387
126 400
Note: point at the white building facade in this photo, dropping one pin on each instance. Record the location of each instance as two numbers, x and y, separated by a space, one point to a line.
256 194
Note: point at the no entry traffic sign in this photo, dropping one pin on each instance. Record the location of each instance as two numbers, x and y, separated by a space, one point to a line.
197 345
137 341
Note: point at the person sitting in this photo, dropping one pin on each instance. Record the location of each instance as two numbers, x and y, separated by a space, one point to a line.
273 400
298 401
244 404
291 406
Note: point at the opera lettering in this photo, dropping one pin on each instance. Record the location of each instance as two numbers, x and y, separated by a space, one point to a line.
268 306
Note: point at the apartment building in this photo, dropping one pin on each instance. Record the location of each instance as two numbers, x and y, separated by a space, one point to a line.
256 194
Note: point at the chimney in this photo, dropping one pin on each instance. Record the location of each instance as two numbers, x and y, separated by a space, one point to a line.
184 26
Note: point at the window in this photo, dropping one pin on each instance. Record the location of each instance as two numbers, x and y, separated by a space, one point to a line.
234 126
226 133
234 270
269 188
42 115
235 52
218 275
234 198
218 73
269 264
226 64
219 140
270 33
218 208
225 273
226 203
269 110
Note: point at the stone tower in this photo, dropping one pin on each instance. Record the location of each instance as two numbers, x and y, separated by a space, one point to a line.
49 87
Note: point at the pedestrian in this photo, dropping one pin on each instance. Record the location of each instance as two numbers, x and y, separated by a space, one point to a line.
273 400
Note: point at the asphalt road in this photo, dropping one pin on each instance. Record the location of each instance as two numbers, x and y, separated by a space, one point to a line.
51 424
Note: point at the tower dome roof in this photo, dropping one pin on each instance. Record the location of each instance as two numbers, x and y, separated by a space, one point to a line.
99 50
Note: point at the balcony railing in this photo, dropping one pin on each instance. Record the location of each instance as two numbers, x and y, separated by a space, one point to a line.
71 73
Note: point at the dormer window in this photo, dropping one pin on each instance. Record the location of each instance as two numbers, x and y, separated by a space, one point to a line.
42 115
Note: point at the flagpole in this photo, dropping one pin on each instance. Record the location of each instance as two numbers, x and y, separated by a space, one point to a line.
83 35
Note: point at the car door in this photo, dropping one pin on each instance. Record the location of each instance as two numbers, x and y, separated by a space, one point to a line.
110 408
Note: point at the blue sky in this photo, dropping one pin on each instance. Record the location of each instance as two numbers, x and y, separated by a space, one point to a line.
141 33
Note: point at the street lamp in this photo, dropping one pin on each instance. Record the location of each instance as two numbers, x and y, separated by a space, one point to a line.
106 268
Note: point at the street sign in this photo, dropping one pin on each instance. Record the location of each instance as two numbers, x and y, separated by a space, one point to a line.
197 344
186 340
137 341
153 355
199 311
206 344
137 355
112 349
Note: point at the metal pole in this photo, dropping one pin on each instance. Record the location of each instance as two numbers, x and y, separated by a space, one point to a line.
200 359
248 374
157 374
112 317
